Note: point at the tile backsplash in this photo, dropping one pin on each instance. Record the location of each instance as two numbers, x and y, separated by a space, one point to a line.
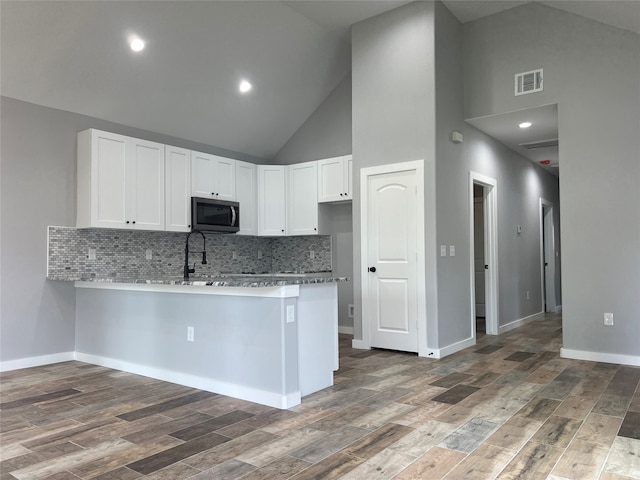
123 253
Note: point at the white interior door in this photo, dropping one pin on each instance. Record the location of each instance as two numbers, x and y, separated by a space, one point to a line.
391 253
548 258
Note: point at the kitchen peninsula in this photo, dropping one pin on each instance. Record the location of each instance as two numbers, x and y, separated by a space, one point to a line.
267 339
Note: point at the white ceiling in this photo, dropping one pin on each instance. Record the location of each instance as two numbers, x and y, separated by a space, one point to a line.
73 55
544 127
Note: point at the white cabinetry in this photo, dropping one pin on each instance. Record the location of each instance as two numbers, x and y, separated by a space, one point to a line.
246 196
271 200
302 199
213 176
178 189
335 179
120 182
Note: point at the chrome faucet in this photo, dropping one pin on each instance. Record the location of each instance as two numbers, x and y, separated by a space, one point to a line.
188 270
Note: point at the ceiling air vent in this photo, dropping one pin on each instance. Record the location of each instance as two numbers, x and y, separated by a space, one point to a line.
529 82
552 142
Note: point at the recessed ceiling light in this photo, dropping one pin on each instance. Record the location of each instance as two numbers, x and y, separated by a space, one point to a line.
525 124
244 86
136 44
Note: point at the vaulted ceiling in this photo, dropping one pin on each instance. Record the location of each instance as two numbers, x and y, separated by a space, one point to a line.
74 56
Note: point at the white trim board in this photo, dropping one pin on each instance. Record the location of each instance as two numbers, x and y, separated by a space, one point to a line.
29 362
451 349
520 322
600 357
346 330
262 397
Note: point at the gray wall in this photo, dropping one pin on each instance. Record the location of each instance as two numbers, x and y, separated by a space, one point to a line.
520 184
325 134
592 71
38 188
393 104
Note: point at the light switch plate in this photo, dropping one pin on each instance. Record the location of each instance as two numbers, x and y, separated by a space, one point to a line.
291 313
443 250
92 254
452 250
608 319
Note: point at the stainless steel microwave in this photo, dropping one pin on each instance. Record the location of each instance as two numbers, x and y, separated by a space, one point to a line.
210 215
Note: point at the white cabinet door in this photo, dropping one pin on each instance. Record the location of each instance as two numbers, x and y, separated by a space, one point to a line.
146 185
120 182
202 171
271 200
177 189
212 176
103 174
334 179
246 196
348 176
224 179
302 199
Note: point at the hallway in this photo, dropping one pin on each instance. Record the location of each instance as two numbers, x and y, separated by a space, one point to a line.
507 408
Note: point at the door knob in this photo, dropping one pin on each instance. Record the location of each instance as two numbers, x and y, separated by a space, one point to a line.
486 267
372 269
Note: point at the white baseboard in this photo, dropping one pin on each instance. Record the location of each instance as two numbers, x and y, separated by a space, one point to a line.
263 397
36 361
451 349
360 345
600 357
520 322
345 330
558 309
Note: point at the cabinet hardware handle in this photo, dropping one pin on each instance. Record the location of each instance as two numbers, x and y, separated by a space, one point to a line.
315 229
127 221
133 221
341 194
372 269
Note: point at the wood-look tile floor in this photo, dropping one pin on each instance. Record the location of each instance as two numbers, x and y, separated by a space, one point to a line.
507 408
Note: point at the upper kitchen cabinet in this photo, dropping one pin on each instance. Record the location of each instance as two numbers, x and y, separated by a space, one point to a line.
302 199
120 182
213 176
178 189
246 196
271 200
335 177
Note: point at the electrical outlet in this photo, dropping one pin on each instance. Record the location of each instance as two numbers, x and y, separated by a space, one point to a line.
452 250
92 254
528 295
608 319
259 254
190 334
234 256
443 250
312 254
350 310
291 313
148 254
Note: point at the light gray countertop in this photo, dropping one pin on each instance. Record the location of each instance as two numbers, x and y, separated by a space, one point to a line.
222 280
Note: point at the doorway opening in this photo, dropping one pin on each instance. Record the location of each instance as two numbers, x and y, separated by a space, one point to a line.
484 258
478 259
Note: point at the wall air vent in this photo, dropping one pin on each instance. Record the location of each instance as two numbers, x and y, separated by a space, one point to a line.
529 82
552 142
